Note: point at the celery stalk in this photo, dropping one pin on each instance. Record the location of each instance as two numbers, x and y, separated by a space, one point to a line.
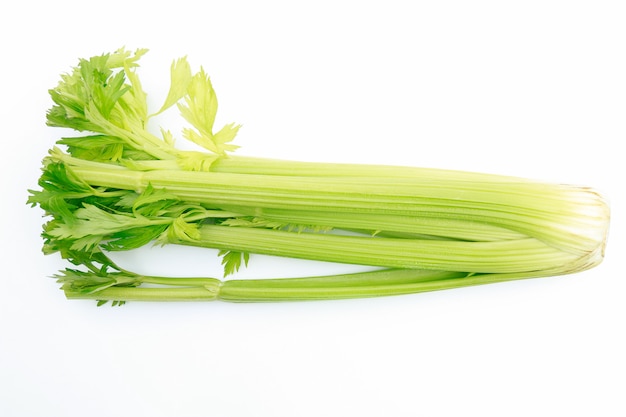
120 186
567 217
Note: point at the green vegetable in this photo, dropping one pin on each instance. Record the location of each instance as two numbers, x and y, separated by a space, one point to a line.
120 186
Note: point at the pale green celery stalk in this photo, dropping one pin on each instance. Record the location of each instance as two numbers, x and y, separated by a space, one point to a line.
236 164
374 283
295 290
204 293
569 218
343 286
509 256
427 227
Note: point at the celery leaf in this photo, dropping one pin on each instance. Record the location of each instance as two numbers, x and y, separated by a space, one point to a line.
180 78
232 260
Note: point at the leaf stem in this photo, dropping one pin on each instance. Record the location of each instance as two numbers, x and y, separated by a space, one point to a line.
344 286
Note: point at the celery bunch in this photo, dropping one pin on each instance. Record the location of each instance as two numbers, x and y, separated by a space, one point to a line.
120 186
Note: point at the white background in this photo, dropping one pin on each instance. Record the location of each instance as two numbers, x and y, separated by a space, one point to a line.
529 88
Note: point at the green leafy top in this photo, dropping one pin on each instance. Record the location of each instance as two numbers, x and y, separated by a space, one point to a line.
199 109
87 220
103 95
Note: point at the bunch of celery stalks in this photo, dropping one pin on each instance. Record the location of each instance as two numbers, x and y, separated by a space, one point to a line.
117 186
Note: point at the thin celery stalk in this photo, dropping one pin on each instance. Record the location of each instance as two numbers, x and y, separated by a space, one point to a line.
251 291
373 284
206 293
503 256
343 286
237 164
334 286
429 226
